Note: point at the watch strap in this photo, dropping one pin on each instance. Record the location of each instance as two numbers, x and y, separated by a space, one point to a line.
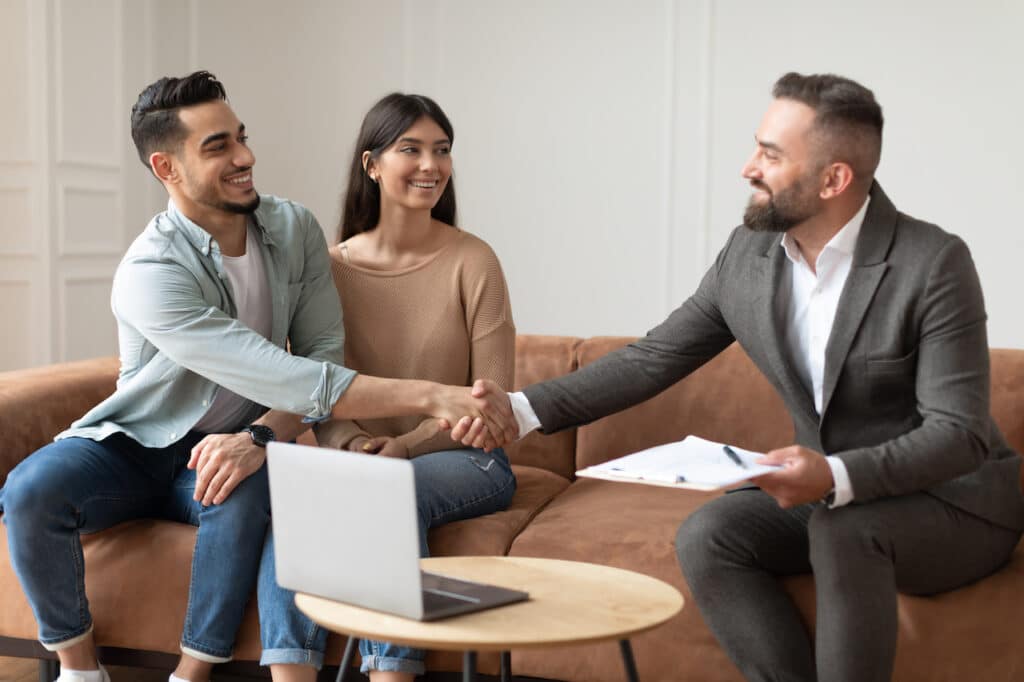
260 434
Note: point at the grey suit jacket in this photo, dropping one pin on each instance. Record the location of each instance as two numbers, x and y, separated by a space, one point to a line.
906 385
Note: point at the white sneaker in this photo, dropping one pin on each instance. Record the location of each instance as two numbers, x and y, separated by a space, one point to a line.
100 675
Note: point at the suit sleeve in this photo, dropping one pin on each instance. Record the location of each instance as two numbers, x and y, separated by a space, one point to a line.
952 388
691 335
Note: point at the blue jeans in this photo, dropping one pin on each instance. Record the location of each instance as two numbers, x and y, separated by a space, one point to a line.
451 485
79 485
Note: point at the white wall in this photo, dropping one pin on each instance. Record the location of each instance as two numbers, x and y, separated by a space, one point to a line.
62 198
598 144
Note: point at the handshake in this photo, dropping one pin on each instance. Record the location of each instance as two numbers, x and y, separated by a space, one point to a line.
479 416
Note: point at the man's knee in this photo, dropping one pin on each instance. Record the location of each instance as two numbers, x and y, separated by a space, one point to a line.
843 533
697 539
251 495
33 488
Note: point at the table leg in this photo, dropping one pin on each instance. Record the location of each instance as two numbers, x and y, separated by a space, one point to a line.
346 658
506 666
627 660
48 670
469 666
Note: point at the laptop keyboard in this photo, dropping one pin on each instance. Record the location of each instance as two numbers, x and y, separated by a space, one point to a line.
434 600
445 596
440 591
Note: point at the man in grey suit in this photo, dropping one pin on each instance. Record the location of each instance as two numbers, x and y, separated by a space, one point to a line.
871 326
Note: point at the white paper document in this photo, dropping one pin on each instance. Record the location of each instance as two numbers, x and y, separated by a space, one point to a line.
690 463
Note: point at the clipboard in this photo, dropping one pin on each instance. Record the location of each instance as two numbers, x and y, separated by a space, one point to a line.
693 463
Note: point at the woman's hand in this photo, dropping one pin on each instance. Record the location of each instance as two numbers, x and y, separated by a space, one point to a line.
387 446
358 444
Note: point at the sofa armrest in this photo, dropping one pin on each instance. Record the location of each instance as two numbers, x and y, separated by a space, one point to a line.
37 404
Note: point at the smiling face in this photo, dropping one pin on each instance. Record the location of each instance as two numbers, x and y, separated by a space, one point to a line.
213 168
784 170
413 172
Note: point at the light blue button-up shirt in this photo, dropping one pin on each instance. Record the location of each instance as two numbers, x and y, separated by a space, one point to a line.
179 339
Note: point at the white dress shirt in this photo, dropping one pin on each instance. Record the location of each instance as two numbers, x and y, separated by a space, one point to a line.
807 309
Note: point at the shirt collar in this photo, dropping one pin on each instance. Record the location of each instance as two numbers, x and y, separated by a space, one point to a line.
200 238
844 241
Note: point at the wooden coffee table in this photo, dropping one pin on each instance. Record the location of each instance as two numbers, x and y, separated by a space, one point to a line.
570 603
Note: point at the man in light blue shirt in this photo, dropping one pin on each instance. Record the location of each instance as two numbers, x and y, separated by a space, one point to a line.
208 299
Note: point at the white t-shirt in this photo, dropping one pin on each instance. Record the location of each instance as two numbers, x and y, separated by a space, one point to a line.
248 277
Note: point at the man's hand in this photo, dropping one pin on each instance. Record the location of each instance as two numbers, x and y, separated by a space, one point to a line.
805 476
482 415
222 461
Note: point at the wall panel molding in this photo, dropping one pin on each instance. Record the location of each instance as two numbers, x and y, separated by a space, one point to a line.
692 250
668 172
15 78
16 349
88 71
16 234
89 218
87 328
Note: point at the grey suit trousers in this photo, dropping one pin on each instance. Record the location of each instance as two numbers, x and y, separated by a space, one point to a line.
734 550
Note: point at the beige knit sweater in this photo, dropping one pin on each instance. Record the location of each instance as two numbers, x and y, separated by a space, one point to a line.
446 319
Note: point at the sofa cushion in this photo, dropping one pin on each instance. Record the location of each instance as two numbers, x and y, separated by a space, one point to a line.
726 400
493 534
539 358
135 571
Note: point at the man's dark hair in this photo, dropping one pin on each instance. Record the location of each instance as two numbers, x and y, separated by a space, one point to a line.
156 126
847 122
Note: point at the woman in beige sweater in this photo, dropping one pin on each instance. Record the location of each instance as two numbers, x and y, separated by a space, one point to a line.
421 299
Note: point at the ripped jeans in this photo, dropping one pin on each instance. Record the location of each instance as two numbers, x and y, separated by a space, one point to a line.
451 485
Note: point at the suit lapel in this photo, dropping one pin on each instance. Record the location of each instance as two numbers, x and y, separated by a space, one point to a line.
866 273
768 326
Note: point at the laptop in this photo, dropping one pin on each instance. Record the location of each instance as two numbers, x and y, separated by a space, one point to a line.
345 528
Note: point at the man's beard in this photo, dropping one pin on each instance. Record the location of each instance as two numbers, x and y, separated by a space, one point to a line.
207 195
244 209
783 210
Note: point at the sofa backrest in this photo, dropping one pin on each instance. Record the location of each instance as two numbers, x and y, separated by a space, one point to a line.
1008 395
539 358
728 399
36 404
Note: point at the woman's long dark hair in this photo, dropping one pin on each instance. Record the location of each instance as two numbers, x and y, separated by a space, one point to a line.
384 123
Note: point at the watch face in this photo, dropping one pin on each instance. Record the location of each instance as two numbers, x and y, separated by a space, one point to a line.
261 435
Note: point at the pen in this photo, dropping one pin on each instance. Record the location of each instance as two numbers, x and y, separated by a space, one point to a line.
733 456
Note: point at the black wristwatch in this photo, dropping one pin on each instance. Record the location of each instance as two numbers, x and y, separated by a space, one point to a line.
260 434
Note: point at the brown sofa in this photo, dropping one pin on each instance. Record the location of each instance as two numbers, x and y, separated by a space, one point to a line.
138 572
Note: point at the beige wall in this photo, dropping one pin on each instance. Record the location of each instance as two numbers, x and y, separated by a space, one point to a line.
598 144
